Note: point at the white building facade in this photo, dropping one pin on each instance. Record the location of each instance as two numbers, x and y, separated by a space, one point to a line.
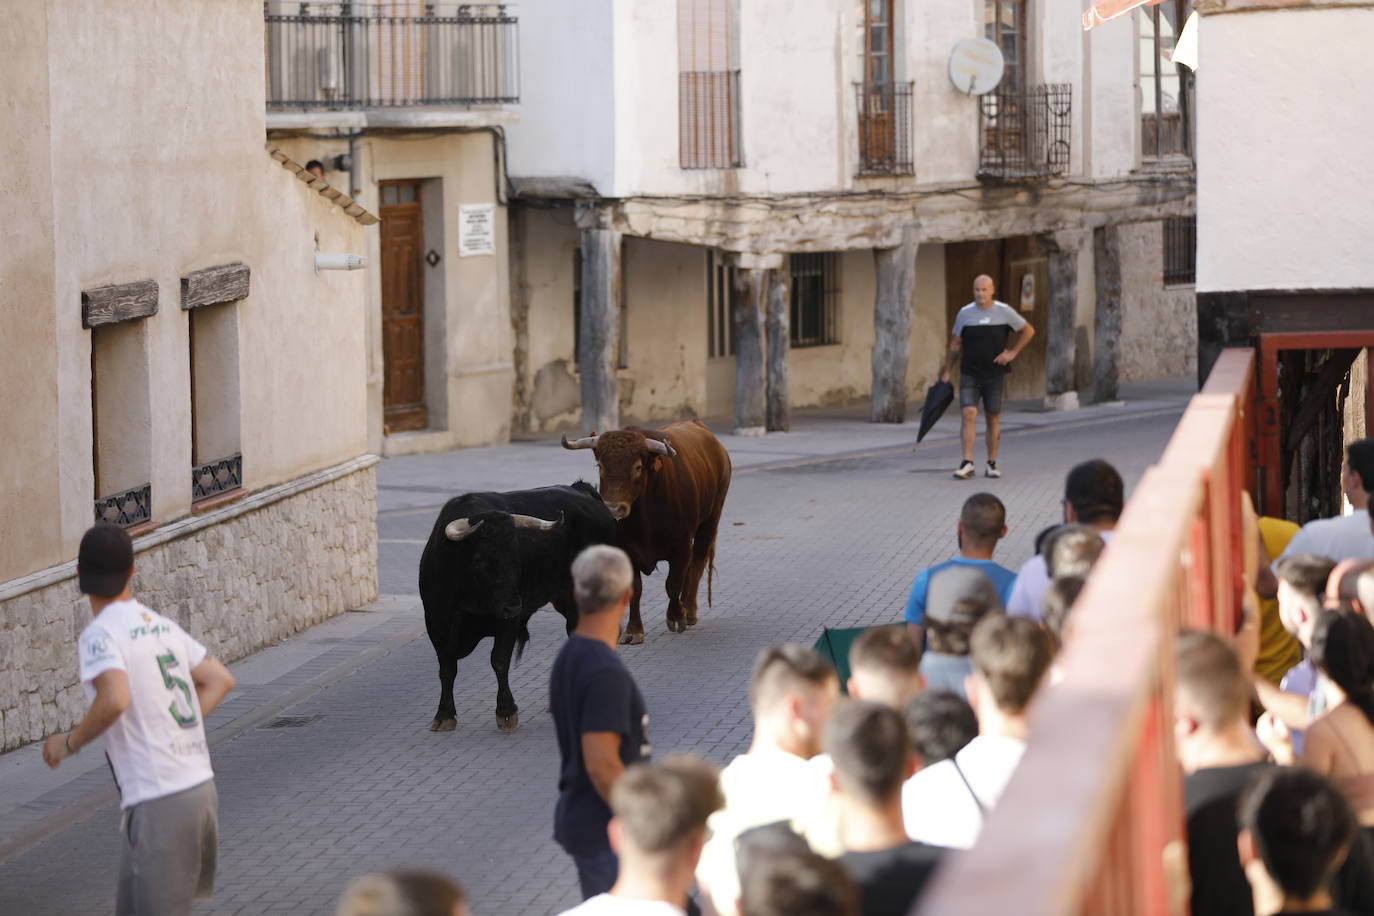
727 208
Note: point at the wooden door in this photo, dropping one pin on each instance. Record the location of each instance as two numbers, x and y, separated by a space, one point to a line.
403 332
877 125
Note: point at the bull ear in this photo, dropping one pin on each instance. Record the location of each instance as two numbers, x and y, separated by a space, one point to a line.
586 442
662 448
536 524
460 528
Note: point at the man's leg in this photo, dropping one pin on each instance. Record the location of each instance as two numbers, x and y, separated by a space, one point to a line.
168 855
994 435
970 431
596 873
992 406
968 406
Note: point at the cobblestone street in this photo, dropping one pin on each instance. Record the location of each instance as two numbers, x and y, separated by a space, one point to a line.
324 765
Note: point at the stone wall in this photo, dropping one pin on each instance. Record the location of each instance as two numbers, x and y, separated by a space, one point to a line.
239 578
1158 322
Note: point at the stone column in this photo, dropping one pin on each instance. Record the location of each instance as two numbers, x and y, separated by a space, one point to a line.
1107 313
779 324
892 307
598 341
747 307
1062 250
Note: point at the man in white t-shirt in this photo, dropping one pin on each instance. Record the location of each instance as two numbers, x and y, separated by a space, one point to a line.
1094 495
150 686
945 804
1345 537
657 829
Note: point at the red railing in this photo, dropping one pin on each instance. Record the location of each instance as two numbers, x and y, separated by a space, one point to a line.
1092 823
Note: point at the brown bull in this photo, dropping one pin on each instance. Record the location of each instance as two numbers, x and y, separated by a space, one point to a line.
666 489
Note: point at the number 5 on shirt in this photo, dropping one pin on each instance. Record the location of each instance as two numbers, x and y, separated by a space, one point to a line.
172 682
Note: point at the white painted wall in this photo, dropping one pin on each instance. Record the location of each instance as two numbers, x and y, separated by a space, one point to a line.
1284 198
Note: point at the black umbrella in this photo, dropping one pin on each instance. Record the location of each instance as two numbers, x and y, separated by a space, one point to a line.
938 398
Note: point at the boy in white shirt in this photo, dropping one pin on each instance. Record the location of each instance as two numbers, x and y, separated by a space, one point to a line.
150 686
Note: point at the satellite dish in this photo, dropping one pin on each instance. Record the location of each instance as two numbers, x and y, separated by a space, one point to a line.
975 66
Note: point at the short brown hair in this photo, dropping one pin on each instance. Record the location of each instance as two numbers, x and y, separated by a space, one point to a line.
951 637
869 745
1072 550
1011 655
401 893
888 649
661 804
1058 601
984 517
1307 575
780 670
1210 675
786 883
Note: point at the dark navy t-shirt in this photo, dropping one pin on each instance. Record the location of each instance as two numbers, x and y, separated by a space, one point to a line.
590 690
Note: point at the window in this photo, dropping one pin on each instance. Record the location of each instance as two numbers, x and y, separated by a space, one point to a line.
1164 102
884 105
216 461
121 423
624 353
708 84
1180 250
1004 24
815 298
720 326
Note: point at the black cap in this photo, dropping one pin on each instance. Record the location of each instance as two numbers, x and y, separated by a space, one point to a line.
104 561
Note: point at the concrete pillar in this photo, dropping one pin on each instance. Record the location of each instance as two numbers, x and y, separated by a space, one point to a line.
1062 251
750 379
1107 313
779 324
598 342
892 307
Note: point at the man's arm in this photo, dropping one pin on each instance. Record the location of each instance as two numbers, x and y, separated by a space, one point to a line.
601 756
213 683
111 699
956 346
1288 708
1023 337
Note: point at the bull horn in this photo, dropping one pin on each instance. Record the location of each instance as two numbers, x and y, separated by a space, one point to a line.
460 528
536 524
662 448
587 442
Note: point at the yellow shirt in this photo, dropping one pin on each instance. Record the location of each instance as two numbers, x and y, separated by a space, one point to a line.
1279 649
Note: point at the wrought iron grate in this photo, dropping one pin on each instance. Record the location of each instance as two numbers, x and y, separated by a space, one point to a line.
292 721
215 477
1180 250
884 128
1025 133
127 508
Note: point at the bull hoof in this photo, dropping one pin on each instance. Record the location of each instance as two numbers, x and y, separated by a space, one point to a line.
443 725
691 620
508 723
631 639
677 626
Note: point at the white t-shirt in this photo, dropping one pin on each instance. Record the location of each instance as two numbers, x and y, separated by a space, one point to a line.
938 807
1028 593
157 747
1346 537
606 905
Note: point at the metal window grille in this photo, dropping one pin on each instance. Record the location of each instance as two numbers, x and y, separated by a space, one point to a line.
815 299
1180 250
720 326
380 55
1165 87
884 128
709 121
1025 133
215 477
127 508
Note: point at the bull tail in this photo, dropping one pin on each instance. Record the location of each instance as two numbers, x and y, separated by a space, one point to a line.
710 574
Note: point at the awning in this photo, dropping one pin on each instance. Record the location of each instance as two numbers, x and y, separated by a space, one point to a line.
1103 10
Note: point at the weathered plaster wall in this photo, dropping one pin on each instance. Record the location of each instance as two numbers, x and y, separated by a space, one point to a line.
665 342
236 586
1110 114
544 272
1283 169
1158 323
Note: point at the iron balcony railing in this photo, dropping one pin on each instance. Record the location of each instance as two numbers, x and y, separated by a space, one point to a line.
884 128
338 56
1023 132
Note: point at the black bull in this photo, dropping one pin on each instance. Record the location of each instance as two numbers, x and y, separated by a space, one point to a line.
492 560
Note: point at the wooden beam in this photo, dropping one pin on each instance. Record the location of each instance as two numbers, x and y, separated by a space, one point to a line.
1107 317
892 307
750 374
214 285
1062 252
779 325
598 343
113 304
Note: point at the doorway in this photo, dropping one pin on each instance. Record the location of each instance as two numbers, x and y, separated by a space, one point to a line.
1021 274
403 338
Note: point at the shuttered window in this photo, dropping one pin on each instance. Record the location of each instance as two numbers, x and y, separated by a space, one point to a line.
708 84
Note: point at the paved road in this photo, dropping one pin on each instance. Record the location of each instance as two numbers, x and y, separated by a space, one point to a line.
354 781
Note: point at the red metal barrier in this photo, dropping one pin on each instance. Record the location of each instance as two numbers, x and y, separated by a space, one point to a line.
1092 823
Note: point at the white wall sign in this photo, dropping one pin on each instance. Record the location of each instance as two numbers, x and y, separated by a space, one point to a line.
476 229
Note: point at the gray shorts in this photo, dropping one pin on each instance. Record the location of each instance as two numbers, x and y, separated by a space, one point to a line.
971 389
167 856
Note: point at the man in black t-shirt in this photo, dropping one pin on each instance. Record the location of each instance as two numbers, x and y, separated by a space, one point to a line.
981 342
871 750
599 715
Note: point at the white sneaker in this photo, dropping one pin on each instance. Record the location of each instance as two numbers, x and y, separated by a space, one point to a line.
992 470
965 470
